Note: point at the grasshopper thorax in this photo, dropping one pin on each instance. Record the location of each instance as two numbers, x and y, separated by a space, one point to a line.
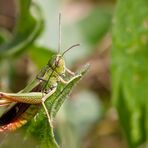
57 63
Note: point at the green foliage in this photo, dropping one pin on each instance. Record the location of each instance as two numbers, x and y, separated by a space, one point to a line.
2 36
129 70
39 127
42 53
24 33
28 26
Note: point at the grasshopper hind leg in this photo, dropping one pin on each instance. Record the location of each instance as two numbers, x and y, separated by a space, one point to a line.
44 98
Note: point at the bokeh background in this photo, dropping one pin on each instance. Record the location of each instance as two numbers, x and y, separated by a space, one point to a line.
88 119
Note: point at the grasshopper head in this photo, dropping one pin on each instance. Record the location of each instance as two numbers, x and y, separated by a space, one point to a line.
58 64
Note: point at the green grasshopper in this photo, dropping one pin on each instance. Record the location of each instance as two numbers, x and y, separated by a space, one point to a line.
26 105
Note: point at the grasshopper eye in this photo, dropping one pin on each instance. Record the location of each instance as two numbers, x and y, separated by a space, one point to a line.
57 63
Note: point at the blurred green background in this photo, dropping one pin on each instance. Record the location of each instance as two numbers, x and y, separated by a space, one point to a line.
108 108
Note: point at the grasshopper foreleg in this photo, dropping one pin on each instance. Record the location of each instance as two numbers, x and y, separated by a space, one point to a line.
62 80
69 71
66 82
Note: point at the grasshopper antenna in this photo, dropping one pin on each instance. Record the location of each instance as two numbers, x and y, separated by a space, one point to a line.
59 40
70 48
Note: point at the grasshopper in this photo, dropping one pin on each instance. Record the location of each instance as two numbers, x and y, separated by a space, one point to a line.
23 106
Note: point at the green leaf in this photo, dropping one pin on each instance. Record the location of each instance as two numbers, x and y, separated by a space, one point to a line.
63 91
40 55
28 27
129 70
3 36
39 127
